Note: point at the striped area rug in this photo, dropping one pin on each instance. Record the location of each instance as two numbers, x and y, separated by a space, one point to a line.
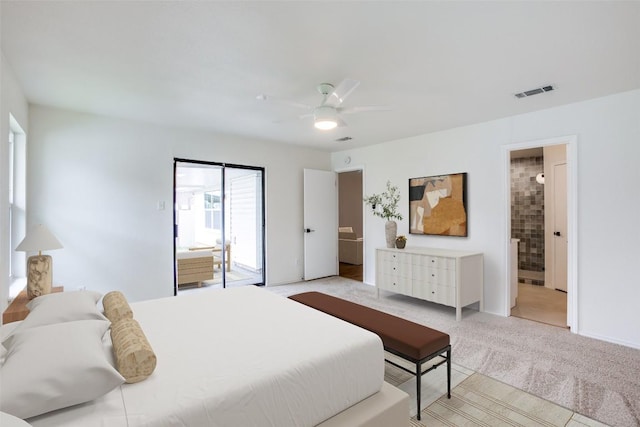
483 401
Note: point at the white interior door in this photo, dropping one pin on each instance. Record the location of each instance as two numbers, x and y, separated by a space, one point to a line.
560 226
320 224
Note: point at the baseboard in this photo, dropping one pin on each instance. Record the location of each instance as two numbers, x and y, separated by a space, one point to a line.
610 340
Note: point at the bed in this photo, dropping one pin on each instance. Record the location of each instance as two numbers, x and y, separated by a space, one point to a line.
247 357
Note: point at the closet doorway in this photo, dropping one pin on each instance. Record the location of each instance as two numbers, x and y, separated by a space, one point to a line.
350 225
218 226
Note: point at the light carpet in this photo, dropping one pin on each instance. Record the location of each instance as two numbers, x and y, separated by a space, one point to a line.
594 378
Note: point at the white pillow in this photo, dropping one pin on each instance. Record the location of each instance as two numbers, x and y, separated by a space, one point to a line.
5 331
55 366
61 307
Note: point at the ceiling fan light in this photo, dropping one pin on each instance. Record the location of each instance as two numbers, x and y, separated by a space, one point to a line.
325 124
325 118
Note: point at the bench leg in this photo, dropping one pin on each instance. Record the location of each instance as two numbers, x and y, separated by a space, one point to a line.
418 386
449 373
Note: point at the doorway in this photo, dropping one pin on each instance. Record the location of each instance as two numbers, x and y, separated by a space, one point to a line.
542 251
218 225
350 230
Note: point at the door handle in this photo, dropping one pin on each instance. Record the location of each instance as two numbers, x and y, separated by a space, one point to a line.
556 233
308 230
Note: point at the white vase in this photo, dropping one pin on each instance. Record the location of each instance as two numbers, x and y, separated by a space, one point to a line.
390 232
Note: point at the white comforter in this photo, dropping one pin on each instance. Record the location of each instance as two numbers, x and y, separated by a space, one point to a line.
239 357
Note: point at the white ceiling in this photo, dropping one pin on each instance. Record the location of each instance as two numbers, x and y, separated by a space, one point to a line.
201 64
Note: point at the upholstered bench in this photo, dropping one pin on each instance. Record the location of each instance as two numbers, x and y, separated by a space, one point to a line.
408 340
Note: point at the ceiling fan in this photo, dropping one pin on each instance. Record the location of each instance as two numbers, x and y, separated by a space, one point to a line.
326 116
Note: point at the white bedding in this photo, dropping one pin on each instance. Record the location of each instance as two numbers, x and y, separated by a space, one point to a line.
239 357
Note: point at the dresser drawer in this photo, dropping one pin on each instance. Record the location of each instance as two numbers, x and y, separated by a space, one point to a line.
394 264
436 276
423 290
444 295
395 258
438 262
401 285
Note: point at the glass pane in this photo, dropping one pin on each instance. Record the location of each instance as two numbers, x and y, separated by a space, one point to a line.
244 225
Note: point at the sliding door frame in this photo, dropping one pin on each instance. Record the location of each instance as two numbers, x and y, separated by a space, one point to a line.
223 167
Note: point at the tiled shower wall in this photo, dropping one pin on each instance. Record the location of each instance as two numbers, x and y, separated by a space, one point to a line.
527 212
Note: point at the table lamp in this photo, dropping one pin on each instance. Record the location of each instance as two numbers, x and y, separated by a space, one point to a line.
39 267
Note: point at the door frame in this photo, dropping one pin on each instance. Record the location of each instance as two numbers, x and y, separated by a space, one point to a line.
572 220
263 227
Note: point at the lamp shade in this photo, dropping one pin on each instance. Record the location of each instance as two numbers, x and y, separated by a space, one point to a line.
39 238
325 118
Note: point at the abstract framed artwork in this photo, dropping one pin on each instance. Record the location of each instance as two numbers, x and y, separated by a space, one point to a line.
438 205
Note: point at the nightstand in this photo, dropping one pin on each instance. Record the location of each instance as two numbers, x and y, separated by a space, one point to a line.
18 310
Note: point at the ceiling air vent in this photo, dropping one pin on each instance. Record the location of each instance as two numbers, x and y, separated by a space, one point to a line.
535 91
344 139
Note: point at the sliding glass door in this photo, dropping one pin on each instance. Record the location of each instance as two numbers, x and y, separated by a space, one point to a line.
218 225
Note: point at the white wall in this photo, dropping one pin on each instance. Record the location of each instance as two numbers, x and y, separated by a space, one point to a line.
12 101
96 181
608 134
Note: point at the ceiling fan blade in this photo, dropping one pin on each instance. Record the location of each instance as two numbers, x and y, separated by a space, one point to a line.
341 92
341 123
364 109
269 98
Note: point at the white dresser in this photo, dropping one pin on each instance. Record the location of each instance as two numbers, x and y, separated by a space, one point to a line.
449 277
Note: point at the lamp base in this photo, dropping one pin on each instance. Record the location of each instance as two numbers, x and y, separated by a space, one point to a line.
39 274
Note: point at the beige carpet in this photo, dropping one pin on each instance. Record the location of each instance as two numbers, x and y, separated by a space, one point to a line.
594 378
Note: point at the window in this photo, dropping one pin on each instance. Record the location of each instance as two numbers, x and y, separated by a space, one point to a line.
12 136
17 192
212 214
11 192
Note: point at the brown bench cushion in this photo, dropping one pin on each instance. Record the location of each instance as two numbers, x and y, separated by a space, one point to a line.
408 338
